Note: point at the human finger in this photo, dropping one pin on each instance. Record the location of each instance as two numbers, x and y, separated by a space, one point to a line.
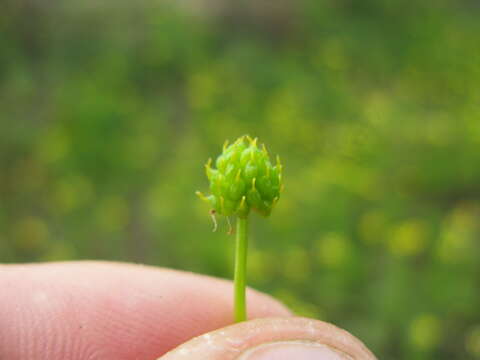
100 310
274 339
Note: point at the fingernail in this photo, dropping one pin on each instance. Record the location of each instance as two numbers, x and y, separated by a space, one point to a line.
298 350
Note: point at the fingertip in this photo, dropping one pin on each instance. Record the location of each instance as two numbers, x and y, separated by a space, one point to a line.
274 338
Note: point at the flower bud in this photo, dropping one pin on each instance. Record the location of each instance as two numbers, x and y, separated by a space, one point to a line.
244 179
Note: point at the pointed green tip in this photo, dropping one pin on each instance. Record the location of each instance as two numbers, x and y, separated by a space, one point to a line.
225 145
201 196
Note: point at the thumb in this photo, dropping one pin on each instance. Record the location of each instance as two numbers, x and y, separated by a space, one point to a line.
274 338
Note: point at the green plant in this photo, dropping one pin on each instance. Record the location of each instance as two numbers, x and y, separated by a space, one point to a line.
244 180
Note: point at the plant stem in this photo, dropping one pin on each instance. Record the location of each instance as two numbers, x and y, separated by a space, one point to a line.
241 245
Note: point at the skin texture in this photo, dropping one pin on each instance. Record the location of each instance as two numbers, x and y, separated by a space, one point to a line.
98 311
236 341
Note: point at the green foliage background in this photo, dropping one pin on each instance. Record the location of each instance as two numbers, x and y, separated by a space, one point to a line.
108 111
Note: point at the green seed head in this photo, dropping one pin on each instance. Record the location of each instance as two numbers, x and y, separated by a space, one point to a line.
244 179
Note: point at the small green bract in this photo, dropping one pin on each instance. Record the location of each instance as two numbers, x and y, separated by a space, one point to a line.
244 179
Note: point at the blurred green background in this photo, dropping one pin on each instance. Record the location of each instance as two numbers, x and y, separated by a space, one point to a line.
109 110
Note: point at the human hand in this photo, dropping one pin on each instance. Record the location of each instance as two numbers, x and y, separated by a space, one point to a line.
112 311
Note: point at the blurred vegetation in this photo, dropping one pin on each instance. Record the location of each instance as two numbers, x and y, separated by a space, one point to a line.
110 109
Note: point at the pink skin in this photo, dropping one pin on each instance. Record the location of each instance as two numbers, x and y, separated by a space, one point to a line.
98 310
289 334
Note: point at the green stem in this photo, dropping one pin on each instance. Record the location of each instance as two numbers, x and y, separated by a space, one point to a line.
241 245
